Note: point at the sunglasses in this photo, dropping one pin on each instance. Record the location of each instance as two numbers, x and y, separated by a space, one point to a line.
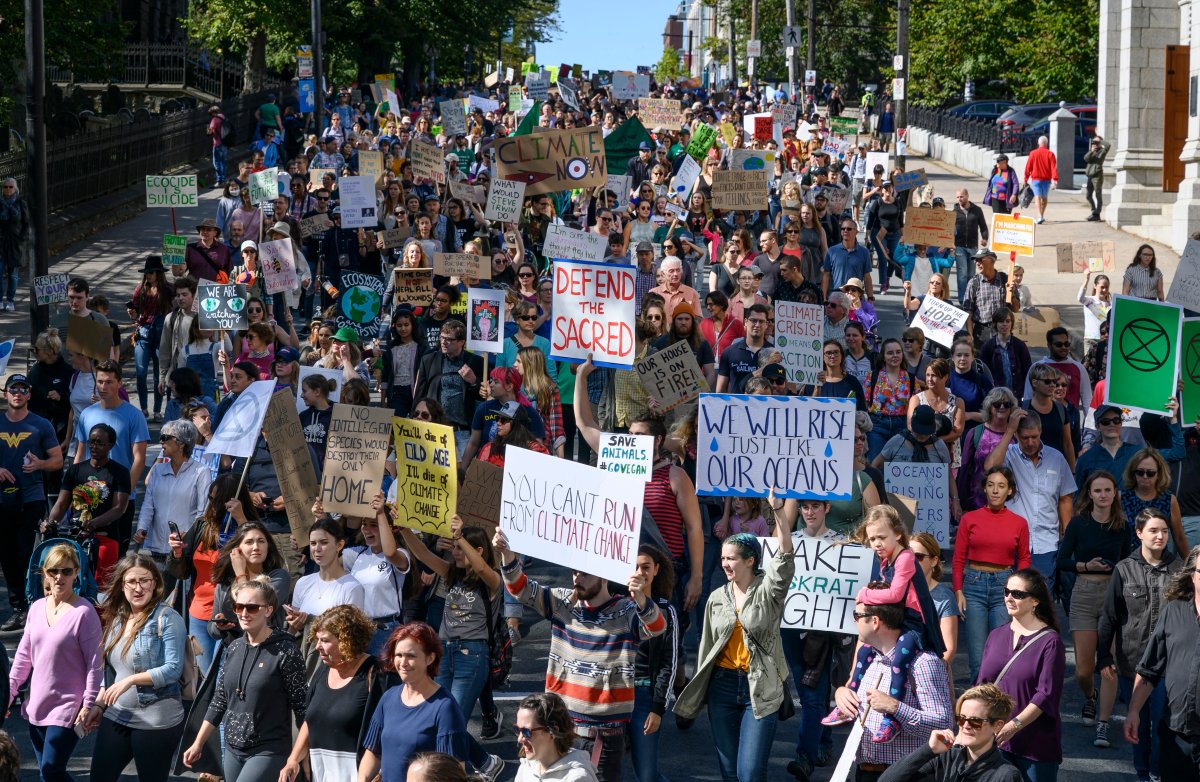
654 317
425 416
908 339
863 615
58 571
922 557
1002 406
974 722
1109 421
779 381
1145 473
247 608
99 444
1060 344
1016 594
166 438
525 276
527 317
322 198
19 390
526 733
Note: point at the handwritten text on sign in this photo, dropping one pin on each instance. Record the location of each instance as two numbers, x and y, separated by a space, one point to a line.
292 461
940 320
799 331
358 445
51 288
426 476
627 454
672 376
563 242
571 514
1012 234
801 446
593 313
928 485
221 307
171 191
504 201
828 577
739 190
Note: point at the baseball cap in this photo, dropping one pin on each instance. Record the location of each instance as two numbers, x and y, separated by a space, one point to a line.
1102 409
774 372
645 146
509 410
16 380
939 201
286 355
985 253
346 334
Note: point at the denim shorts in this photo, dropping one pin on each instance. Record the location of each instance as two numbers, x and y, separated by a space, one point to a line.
1040 187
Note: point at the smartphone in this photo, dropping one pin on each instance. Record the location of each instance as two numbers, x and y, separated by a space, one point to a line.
80 730
174 528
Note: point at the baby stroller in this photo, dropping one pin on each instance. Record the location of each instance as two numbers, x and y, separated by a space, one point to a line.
85 579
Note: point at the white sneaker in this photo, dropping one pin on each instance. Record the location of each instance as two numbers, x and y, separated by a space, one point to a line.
1039 220
492 769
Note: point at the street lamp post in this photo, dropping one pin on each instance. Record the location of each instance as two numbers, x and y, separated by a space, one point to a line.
35 149
318 48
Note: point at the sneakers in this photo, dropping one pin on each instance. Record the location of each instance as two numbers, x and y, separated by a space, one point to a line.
836 717
514 635
1093 218
8 305
1039 220
1089 711
824 754
801 769
491 725
889 729
492 768
1102 735
14 622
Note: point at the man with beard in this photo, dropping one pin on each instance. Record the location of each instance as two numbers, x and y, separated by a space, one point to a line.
684 328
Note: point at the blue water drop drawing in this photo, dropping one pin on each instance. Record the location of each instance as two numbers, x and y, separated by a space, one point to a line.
828 450
713 446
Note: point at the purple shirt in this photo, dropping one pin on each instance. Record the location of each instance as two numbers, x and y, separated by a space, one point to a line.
1035 677
67 661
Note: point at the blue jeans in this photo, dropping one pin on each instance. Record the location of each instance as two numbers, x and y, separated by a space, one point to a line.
814 701
885 428
9 279
890 242
464 672
964 270
198 629
220 155
743 742
645 748
53 745
985 610
1047 565
1146 751
145 354
380 637
1034 770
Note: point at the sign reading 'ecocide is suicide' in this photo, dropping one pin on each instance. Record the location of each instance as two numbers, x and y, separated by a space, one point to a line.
593 313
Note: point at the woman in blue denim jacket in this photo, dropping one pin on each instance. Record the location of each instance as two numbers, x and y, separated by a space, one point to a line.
140 710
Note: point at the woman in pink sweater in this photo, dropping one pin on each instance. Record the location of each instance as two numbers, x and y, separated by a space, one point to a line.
62 643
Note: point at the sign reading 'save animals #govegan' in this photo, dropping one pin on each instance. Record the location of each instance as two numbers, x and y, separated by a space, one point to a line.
803 447
593 313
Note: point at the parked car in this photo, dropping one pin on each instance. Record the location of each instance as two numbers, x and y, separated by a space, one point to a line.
1085 128
1017 118
988 110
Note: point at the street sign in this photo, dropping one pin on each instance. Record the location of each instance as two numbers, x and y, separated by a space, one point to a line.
791 35
304 62
754 48
898 89
898 62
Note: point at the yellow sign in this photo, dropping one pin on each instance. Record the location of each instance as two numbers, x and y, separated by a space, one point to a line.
426 476
1011 234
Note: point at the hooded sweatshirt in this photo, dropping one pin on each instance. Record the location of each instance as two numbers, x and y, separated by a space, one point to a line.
575 766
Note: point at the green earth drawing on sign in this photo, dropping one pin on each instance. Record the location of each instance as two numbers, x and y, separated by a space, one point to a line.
360 304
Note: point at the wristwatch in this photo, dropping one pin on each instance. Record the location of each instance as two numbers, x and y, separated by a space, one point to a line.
1017 721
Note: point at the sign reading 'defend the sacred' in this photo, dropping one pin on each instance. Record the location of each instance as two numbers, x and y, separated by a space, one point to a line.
171 191
803 447
828 577
571 514
593 313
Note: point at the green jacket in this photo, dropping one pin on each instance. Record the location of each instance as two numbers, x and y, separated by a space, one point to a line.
1093 159
760 617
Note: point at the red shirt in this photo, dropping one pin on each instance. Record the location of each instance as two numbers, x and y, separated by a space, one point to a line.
997 538
733 330
1041 165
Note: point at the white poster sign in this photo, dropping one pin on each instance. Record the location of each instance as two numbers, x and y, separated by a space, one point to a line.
278 266
928 484
504 201
627 85
828 577
537 85
358 201
454 117
171 191
940 320
485 316
620 184
627 454
573 245
593 312
264 185
878 159
799 332
1185 286
681 185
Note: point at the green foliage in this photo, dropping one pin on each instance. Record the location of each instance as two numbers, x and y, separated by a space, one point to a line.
670 66
85 36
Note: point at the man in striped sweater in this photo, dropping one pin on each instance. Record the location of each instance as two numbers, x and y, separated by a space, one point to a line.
593 645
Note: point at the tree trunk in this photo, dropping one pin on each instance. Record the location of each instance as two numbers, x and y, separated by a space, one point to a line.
255 65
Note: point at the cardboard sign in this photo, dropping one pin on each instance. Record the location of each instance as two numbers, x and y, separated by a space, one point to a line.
828 578
940 320
221 307
620 185
355 451
907 180
505 198
454 117
370 163
568 243
479 495
593 312
1012 234
1185 286
464 191
171 191
89 337
672 376
1143 353
462 265
318 223
660 112
359 207
278 266
739 190
293 464
703 137
933 227
799 332
627 454
336 375
571 514
426 476
360 302
1034 324
413 287
801 446
264 185
554 160
485 319
316 177
174 250
427 162
685 178
394 237
928 484
51 288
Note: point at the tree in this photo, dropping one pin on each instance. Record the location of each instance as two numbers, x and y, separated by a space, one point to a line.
669 67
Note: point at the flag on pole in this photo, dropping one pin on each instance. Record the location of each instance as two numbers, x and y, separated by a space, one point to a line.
238 432
6 351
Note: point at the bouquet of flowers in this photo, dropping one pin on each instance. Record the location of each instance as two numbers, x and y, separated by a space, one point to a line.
85 499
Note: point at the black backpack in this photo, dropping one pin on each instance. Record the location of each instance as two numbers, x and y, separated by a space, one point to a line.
500 648
228 130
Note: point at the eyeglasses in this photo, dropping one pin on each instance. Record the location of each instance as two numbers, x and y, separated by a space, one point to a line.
1002 405
99 444
863 615
653 317
527 317
1060 344
832 354
1145 473
422 416
133 583
1109 421
322 198
848 229
606 219
668 247
779 381
445 338
525 276
974 722
909 339
247 608
1016 594
19 390
167 438
58 571
922 557
793 232
254 310
832 304
526 733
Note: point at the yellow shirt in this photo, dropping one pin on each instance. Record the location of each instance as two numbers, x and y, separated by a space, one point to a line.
735 655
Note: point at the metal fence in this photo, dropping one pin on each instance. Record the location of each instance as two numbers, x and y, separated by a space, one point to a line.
89 165
981 133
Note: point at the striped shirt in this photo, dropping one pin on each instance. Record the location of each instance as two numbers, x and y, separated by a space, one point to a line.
1143 283
659 500
926 707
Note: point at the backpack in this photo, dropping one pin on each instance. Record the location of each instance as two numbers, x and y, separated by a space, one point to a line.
1059 408
190 679
500 648
227 128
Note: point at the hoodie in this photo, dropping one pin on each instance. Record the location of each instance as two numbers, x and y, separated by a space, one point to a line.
575 766
256 688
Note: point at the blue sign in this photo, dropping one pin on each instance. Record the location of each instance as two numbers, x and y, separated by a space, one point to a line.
307 104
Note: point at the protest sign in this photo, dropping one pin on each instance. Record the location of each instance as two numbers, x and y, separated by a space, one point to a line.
413 287
627 454
571 514
681 185
784 117
835 148
593 312
739 190
471 194
619 185
427 161
278 266
537 85
355 451
174 250
879 159
454 117
630 86
928 226
359 303
843 125
318 223
462 265
395 237
426 476
1185 286
370 163
568 243
674 210
89 337
728 132
316 177
264 185
1093 256
764 128
6 351
940 320
1143 353
671 375
703 137
221 307
1034 324
929 485
554 160
568 90
171 191
1189 360
51 288
1011 234
334 375
293 464
492 79
504 201
357 194
237 436
801 446
799 332
828 578
835 197
485 314
479 495
907 180
659 112
760 160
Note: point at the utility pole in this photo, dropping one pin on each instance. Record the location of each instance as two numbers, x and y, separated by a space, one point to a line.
750 63
812 35
318 49
900 103
732 57
790 51
35 149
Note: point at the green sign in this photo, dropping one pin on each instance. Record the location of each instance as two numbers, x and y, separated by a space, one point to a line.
1143 354
703 137
173 249
514 101
1189 371
843 124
